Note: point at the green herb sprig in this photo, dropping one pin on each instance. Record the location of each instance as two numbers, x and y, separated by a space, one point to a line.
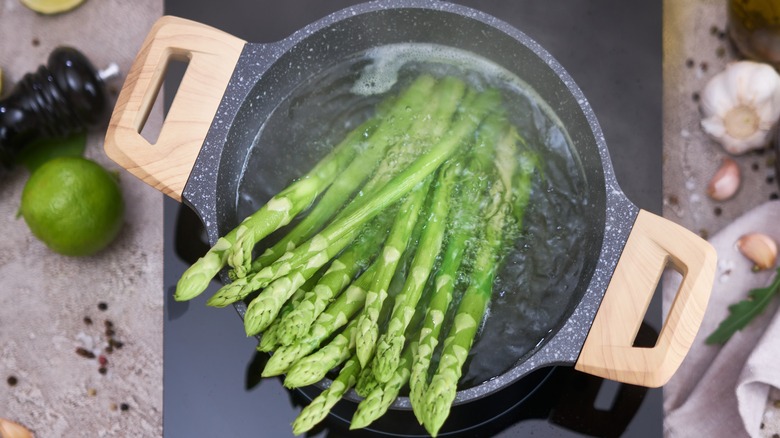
741 313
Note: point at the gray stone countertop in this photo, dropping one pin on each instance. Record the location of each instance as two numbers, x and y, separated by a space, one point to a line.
696 47
47 300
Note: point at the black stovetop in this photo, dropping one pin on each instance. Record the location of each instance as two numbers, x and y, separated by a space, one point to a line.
612 50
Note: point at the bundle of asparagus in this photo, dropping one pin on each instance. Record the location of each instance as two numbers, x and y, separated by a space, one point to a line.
410 215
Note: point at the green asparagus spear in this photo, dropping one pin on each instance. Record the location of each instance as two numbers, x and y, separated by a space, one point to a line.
390 344
398 120
471 114
318 409
242 287
336 278
427 130
394 248
366 382
443 386
333 318
378 401
262 310
312 368
463 222
270 338
277 212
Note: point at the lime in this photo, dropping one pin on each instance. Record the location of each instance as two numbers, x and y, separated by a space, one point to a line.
50 7
73 205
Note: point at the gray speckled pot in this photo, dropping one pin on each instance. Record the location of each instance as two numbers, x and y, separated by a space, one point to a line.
267 73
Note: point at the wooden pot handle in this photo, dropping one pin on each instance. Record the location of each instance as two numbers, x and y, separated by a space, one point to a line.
653 244
211 56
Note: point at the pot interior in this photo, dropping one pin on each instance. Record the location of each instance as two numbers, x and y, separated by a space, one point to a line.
278 134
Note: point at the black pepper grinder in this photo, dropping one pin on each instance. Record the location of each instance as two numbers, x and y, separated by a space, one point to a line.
59 99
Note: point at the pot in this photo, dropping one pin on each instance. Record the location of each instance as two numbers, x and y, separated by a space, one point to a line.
231 88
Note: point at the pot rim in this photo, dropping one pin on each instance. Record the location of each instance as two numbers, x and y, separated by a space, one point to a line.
564 344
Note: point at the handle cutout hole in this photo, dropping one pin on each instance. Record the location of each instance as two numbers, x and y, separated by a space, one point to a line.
647 336
171 78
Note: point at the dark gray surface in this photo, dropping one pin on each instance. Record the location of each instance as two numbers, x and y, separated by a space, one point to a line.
613 52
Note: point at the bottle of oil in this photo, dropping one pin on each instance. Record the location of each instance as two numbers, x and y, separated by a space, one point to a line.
754 26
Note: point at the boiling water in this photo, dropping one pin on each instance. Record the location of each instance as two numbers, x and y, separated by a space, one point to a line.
536 284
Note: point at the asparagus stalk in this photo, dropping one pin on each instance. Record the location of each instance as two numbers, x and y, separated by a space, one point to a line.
276 213
394 248
312 368
473 113
318 409
443 386
445 99
390 344
378 401
333 318
398 120
366 382
242 287
462 226
262 310
270 338
338 276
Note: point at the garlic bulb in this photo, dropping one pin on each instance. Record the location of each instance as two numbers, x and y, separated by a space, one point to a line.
741 106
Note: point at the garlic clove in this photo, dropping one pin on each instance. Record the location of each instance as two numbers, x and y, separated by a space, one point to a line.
726 181
760 249
9 429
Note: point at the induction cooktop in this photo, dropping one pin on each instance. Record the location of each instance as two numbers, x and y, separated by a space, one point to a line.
613 52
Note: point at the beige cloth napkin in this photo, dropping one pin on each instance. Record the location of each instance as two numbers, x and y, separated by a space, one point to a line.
721 391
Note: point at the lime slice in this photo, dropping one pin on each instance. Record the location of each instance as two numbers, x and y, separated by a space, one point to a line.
50 7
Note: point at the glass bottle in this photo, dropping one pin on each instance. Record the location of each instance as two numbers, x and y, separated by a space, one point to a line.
754 26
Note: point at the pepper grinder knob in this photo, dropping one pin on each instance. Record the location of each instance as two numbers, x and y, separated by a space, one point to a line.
59 99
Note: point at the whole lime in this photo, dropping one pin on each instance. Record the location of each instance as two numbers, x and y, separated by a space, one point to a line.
73 205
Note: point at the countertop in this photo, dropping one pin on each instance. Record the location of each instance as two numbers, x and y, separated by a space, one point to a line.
52 305
696 47
42 315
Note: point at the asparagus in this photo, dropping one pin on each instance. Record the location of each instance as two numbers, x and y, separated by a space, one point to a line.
312 368
318 409
262 310
336 278
390 344
366 382
403 113
276 213
394 248
270 338
462 226
443 386
445 99
241 288
475 110
333 318
447 96
378 401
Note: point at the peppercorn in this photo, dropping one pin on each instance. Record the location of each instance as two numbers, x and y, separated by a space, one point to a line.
102 306
83 352
12 380
124 406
